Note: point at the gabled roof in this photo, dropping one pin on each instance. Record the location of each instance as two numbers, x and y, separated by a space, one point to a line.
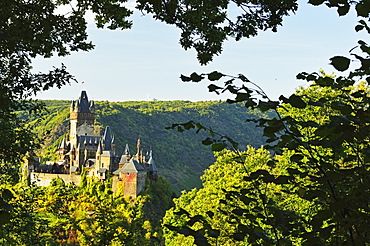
131 167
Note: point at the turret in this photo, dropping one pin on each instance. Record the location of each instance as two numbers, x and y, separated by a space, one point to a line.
92 107
99 151
72 108
127 151
152 168
72 154
63 149
107 139
82 117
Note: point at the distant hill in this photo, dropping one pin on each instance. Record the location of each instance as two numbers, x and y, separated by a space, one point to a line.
180 157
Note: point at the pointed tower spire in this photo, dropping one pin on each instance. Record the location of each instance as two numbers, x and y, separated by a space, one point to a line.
107 139
152 168
83 102
72 106
63 144
92 106
127 151
100 149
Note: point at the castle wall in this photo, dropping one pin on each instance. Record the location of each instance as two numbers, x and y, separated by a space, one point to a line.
132 183
44 179
141 182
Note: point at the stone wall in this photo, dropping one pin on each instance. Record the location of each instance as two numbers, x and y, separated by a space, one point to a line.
44 179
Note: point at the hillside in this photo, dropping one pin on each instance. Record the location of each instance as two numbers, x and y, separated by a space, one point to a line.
180 157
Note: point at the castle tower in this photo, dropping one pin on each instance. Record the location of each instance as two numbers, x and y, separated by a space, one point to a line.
99 151
152 168
82 117
107 157
63 149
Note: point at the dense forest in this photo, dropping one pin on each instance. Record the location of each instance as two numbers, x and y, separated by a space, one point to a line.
308 185
180 156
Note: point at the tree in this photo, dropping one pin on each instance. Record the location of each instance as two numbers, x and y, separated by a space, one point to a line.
323 134
33 28
29 29
325 129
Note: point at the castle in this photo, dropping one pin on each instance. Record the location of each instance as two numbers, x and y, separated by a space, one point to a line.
97 155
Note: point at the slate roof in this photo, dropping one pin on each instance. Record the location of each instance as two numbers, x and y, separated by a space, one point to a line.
107 139
83 103
131 167
151 165
89 141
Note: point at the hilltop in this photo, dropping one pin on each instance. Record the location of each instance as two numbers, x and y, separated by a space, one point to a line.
180 157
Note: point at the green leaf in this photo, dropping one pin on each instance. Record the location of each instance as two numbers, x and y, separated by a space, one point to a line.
359 28
185 78
340 63
201 241
218 147
239 236
208 141
188 125
214 88
181 212
215 76
210 214
363 8
243 78
7 195
264 106
239 211
343 10
193 220
296 101
4 217
195 77
296 158
242 97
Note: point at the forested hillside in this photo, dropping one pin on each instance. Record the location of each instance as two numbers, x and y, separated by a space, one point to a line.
180 157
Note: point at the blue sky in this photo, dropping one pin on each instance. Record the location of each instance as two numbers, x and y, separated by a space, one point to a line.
145 62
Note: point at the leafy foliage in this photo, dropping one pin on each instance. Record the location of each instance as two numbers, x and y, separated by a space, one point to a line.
35 28
324 130
90 214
